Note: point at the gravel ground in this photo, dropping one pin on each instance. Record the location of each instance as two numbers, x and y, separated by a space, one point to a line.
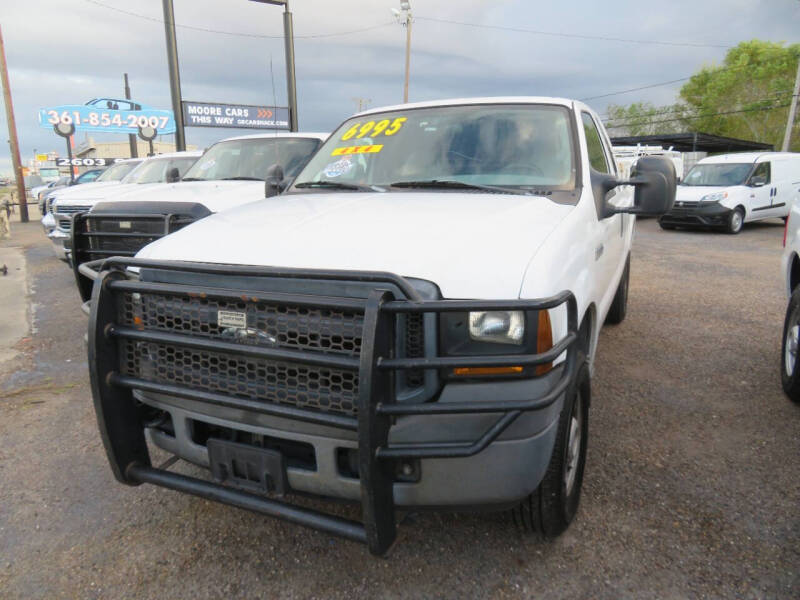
691 486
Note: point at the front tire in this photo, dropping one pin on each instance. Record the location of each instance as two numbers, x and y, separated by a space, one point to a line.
619 306
553 505
735 221
790 370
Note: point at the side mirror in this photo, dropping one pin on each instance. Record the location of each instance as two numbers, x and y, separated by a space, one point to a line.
173 175
757 181
274 184
655 182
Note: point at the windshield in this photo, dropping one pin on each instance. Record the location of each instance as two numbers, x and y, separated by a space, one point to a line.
251 158
88 176
117 171
720 174
156 170
514 146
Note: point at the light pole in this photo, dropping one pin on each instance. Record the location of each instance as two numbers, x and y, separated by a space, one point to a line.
288 40
404 18
174 74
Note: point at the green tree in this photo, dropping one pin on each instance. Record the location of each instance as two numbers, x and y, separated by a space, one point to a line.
644 118
748 95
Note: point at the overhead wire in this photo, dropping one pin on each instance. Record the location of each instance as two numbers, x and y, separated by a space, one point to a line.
571 35
703 116
238 33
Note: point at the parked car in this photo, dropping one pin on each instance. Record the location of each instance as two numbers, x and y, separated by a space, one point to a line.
230 173
62 182
412 323
57 224
729 190
790 266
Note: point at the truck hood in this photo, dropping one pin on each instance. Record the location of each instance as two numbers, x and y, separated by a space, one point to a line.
85 191
214 195
471 245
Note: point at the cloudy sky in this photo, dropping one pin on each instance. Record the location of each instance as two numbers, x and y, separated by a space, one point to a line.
69 51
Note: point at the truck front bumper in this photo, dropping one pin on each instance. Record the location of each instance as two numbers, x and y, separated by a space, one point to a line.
59 238
702 215
481 443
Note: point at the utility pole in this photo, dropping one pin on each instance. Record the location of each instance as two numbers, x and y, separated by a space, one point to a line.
131 137
408 50
12 134
362 103
288 41
787 137
291 82
174 74
405 21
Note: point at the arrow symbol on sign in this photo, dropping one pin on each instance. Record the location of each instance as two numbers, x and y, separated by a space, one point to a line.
263 113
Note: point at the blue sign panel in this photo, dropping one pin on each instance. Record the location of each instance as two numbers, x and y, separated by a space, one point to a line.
108 115
244 116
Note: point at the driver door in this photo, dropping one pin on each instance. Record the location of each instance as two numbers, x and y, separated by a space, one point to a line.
609 243
762 197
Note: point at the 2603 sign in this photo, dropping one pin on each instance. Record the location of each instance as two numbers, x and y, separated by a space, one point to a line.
86 162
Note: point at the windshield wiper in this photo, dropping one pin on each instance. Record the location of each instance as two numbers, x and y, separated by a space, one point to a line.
338 185
241 178
193 179
452 184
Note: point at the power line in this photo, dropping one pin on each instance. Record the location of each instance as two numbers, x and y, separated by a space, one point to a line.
571 35
644 87
236 33
636 89
717 114
628 119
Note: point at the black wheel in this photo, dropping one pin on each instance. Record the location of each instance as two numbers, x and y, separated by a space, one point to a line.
735 221
551 507
666 226
619 306
790 373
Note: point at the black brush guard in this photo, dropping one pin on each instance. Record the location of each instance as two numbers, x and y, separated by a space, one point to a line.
84 242
122 431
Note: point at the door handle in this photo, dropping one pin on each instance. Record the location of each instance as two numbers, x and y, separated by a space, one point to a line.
598 252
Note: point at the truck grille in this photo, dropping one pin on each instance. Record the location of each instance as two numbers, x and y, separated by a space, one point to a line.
70 209
149 228
276 326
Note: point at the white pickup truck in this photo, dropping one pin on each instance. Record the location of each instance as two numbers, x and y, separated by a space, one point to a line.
412 323
230 173
790 266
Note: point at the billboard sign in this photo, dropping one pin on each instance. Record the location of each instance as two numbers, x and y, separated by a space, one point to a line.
108 115
241 116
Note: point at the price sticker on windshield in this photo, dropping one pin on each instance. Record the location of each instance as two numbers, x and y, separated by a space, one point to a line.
374 128
371 149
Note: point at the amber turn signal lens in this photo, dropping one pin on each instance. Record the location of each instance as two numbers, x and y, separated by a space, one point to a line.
544 340
464 371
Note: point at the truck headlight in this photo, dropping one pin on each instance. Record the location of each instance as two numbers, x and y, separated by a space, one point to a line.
498 326
715 197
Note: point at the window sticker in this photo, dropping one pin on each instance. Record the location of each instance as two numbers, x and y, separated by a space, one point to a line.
374 128
371 149
339 167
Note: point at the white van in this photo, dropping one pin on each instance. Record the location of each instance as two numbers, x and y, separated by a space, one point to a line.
729 190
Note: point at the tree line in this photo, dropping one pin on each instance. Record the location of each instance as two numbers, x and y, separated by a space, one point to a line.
746 97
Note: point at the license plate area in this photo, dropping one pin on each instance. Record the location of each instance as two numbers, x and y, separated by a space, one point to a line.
255 469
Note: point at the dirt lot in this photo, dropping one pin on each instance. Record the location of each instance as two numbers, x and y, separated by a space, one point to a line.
691 488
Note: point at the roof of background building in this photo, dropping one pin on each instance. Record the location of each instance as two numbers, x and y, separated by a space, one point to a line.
693 142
